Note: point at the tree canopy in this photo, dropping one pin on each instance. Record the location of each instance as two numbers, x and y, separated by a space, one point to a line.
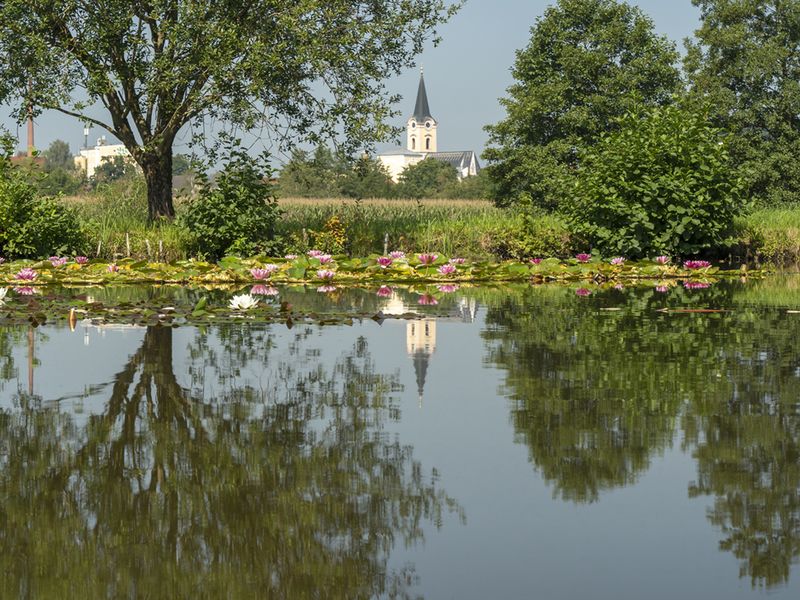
744 61
313 67
588 61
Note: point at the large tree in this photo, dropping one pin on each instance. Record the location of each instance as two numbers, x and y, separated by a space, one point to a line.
746 59
588 62
312 66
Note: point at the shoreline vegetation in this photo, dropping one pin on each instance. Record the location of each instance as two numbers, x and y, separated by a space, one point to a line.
116 224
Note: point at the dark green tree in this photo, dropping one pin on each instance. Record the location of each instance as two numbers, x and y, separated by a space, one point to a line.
317 175
588 62
426 179
744 61
58 156
181 164
367 178
156 66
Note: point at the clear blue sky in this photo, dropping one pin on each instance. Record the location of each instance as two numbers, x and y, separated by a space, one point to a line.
465 74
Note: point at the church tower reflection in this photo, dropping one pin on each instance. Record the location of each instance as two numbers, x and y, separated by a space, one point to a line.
420 345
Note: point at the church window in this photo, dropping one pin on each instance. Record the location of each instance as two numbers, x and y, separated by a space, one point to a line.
413 143
427 143
428 124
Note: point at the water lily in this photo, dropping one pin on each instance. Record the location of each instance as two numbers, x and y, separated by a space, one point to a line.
427 259
447 269
428 300
457 261
448 288
290 256
618 261
112 268
57 261
397 254
326 289
619 287
696 264
265 272
2 260
315 253
662 260
243 302
264 290
662 289
325 274
81 260
25 291
536 261
384 292
583 292
26 274
583 257
385 261
696 285
3 292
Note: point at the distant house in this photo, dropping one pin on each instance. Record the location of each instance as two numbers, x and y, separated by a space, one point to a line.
422 142
91 158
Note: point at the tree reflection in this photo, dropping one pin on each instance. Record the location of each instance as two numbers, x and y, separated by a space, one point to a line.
595 395
171 494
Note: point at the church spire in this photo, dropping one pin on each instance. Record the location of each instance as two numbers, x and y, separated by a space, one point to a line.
421 110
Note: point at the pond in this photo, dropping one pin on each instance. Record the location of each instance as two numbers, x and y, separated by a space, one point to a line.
511 442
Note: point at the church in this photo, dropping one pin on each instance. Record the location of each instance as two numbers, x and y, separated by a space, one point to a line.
422 143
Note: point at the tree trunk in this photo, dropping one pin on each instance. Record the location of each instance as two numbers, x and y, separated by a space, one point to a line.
158 175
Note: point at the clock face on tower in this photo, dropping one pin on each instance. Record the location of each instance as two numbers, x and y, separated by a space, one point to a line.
428 124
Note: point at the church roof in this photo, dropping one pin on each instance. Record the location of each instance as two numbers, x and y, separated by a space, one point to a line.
460 159
421 110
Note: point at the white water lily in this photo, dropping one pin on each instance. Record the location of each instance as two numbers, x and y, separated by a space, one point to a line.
243 302
3 292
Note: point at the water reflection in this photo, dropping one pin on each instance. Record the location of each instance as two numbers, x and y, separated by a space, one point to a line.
596 395
277 492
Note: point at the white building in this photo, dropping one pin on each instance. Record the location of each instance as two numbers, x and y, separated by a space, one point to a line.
91 158
422 142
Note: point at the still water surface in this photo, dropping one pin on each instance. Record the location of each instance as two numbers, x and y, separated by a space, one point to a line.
523 442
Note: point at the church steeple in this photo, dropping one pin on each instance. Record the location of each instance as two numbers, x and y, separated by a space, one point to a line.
421 127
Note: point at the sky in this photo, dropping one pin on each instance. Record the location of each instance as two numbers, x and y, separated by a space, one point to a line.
465 74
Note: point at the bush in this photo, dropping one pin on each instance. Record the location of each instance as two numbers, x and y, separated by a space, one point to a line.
661 184
236 213
30 226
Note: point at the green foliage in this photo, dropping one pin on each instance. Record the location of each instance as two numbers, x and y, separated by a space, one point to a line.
476 187
428 178
112 169
313 176
59 156
661 184
367 178
309 69
30 226
745 63
181 164
584 63
236 214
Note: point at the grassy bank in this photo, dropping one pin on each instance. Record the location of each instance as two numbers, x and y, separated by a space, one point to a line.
115 218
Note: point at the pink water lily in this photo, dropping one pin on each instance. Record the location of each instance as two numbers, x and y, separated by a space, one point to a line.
696 285
112 268
427 300
696 264
583 292
397 254
263 290
81 260
662 260
264 272
315 253
57 261
618 261
2 260
290 256
583 257
385 261
384 292
448 288
26 274
25 291
457 261
536 261
427 259
325 274
662 289
619 287
326 289
447 269
324 259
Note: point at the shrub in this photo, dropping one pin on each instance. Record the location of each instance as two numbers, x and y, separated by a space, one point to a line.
661 184
30 226
236 213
